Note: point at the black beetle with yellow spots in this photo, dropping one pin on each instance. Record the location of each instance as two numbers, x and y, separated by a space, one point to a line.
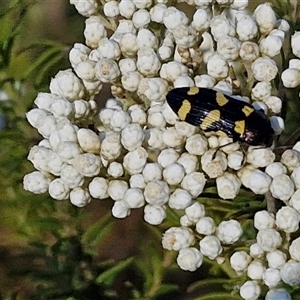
215 112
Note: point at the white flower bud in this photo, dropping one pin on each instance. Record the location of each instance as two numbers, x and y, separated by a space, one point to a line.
221 26
290 77
228 186
36 182
239 261
146 39
250 290
125 26
205 81
137 181
206 226
117 189
183 81
196 144
217 67
249 51
174 17
265 17
88 140
154 138
43 101
287 219
261 91
137 115
67 85
269 239
264 69
189 162
282 187
260 157
141 18
154 215
94 31
134 198
120 210
246 28
210 246
213 167
86 8
128 44
276 259
173 69
278 294
255 270
189 259
271 45
127 65
194 183
239 5
87 164
111 9
259 182
173 174
271 277
290 273
111 146
157 192
58 189
180 199
80 197
171 138
195 211
201 19
126 8
71 176
291 159
107 70
177 238
131 80
277 124
235 160
147 62
263 219
229 232
295 200
152 171
98 188
228 47
256 251
167 157
115 169
295 43
157 12
132 136
134 161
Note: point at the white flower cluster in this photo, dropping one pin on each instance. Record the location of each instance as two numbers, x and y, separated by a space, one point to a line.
142 155
269 263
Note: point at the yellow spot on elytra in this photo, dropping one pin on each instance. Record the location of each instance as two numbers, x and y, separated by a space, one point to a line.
221 99
212 117
193 91
184 109
247 110
221 133
239 127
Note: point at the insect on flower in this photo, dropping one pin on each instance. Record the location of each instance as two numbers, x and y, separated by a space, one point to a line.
215 112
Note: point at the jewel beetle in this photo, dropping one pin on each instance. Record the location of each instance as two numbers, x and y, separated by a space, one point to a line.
216 112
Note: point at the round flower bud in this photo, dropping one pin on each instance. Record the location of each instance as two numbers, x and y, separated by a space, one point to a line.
291 159
271 277
196 144
194 183
189 259
167 157
134 198
282 187
239 261
269 239
134 161
228 186
80 197
173 174
295 43
294 249
206 226
210 246
255 270
214 167
217 67
259 182
177 238
180 199
256 251
58 189
264 69
290 273
249 51
189 162
156 192
263 220
141 18
117 189
37 182
120 210
154 215
246 28
98 188
229 232
287 219
250 290
265 17
235 160
290 77
276 259
278 294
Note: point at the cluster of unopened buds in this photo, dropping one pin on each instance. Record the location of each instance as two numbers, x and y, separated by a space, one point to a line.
141 155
